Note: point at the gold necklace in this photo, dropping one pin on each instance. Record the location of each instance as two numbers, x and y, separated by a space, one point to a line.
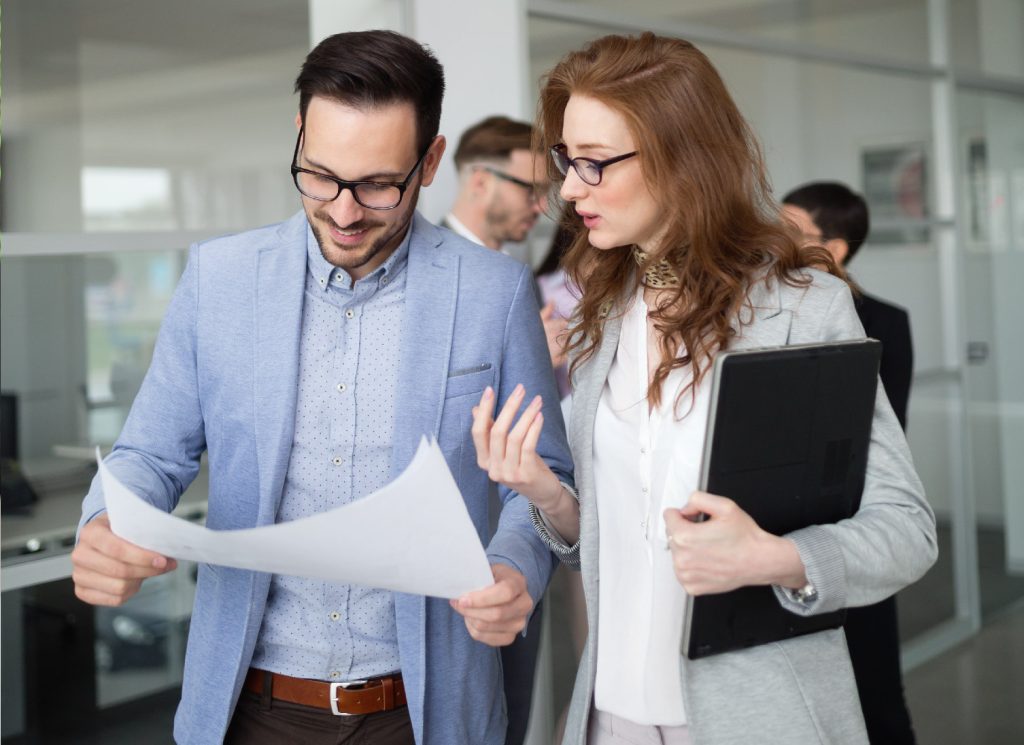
657 276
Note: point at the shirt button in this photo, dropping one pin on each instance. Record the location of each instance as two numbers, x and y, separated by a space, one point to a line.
337 278
643 451
350 313
384 280
335 616
323 281
336 460
644 490
342 387
335 674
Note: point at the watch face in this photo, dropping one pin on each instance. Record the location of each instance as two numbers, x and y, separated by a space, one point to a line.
805 594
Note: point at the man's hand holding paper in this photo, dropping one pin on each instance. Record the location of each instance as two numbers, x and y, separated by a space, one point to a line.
108 570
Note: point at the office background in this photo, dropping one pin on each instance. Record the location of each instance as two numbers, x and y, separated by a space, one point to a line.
131 129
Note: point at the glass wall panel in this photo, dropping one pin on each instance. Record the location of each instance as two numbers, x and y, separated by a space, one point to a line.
149 115
78 335
991 152
128 130
987 35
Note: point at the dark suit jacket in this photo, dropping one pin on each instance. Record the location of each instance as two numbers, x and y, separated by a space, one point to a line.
872 631
890 324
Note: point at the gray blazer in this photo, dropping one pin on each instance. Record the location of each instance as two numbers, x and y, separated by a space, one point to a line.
801 690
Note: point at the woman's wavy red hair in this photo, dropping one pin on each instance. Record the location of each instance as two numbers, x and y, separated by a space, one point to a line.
704 166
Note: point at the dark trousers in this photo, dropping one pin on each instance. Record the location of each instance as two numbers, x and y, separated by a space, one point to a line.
872 634
518 662
260 720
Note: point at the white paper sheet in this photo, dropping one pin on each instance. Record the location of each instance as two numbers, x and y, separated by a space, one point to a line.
413 535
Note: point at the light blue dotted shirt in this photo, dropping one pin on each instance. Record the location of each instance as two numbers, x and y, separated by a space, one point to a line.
348 373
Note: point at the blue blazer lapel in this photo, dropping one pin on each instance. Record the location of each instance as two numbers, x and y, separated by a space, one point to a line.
431 294
277 329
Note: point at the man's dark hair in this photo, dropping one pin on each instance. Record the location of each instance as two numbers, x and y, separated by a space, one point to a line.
838 212
493 138
370 69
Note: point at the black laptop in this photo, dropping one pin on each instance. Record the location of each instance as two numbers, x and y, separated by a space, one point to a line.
787 440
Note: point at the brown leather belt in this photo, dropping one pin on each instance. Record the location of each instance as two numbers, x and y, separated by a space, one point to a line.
342 699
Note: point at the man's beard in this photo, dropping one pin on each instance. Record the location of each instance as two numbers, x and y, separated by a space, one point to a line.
355 258
504 227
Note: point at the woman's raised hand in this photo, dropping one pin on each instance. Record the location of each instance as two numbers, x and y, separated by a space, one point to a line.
509 453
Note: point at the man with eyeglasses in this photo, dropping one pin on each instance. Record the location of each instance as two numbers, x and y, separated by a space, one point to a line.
308 359
503 187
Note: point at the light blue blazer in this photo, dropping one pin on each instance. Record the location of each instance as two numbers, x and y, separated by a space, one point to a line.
223 380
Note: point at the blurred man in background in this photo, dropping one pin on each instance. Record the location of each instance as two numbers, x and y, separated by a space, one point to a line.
832 215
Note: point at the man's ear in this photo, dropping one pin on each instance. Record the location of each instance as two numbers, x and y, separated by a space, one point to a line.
298 121
480 181
839 249
433 159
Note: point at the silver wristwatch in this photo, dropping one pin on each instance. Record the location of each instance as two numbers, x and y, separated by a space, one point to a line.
804 595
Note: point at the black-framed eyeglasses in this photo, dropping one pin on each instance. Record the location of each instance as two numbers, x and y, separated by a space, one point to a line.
374 195
589 170
535 190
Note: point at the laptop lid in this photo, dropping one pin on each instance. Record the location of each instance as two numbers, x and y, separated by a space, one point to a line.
787 440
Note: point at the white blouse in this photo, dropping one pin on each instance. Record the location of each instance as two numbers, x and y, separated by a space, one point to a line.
645 461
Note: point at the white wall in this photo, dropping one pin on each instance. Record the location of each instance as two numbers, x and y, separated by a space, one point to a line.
485 72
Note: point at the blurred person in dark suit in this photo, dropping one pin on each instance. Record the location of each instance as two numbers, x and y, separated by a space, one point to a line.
832 215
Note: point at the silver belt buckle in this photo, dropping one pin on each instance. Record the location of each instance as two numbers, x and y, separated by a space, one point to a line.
334 695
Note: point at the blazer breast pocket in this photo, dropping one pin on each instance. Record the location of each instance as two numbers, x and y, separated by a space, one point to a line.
469 381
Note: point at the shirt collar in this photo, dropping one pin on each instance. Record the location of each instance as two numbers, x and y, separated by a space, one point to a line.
327 275
459 227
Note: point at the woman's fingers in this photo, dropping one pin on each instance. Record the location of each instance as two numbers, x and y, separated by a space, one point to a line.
481 430
506 447
533 434
514 442
508 411
501 426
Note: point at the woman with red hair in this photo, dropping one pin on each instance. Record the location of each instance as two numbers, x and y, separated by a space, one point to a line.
679 253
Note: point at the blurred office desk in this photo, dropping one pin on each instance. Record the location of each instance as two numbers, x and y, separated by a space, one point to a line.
35 547
129 655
